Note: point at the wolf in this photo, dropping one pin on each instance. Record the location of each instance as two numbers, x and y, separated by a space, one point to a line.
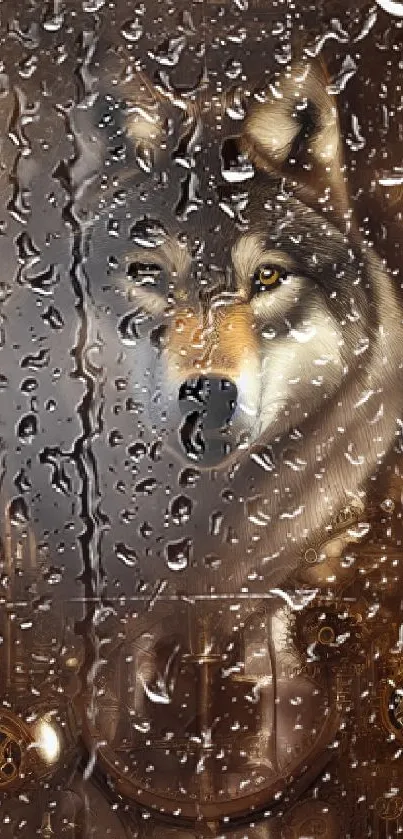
255 335
240 341
260 331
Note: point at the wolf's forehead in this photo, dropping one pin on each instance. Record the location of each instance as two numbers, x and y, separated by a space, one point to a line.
153 114
201 190
180 250
195 137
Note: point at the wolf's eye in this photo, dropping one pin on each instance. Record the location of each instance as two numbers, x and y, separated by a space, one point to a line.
265 278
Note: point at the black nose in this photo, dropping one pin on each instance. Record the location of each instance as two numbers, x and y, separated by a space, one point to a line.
212 397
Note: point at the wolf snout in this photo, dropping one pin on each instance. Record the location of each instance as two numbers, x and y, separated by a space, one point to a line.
214 398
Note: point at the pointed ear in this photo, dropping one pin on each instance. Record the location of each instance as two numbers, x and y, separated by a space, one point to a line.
292 128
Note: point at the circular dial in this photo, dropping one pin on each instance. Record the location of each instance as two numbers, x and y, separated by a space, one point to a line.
214 721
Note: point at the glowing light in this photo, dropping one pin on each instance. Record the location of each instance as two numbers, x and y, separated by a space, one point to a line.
47 740
72 662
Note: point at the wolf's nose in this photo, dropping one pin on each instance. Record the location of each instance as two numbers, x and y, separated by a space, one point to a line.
212 397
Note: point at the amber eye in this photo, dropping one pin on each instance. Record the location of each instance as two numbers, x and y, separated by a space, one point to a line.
265 278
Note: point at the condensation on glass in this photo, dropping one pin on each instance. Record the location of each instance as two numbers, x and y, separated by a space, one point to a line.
200 420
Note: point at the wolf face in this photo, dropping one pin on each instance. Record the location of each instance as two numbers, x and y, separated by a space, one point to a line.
251 347
261 334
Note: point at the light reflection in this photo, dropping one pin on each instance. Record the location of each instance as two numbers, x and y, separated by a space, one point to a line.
47 740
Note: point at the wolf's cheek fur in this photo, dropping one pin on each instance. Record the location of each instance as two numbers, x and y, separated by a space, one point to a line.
299 372
280 378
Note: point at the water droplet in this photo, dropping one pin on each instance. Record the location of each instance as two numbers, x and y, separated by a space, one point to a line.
187 24
115 438
191 435
269 333
189 200
132 30
178 554
53 575
121 384
188 144
131 327
235 106
148 233
22 482
156 451
45 282
28 36
93 5
255 511
292 459
38 361
189 477
227 495
126 554
27 428
335 31
146 530
29 385
60 480
5 292
137 450
348 69
388 505
212 562
181 508
127 516
53 21
144 157
216 520
235 166
18 511
233 68
4 84
53 318
147 486
169 51
264 458
27 66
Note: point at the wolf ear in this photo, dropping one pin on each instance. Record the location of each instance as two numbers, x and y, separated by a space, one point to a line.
292 128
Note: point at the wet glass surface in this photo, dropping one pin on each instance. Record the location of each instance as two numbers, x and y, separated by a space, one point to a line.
200 420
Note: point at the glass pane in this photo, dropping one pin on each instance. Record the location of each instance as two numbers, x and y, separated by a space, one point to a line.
200 421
